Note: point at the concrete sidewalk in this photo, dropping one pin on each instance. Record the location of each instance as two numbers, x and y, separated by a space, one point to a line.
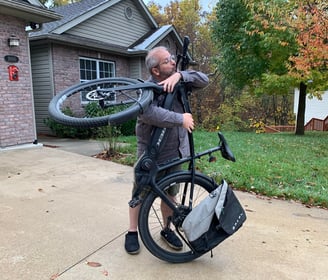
81 147
60 210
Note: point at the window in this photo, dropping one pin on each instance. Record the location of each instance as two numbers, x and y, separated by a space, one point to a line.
91 69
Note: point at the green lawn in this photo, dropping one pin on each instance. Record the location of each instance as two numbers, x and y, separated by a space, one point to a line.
277 165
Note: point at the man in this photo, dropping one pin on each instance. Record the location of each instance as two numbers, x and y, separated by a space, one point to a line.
162 68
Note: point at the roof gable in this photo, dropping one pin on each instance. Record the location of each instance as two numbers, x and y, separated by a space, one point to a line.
151 40
105 25
78 12
121 24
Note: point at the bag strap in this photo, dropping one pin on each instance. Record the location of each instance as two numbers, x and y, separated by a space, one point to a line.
219 206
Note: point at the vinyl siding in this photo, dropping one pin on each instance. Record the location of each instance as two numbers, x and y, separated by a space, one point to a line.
42 85
113 27
136 68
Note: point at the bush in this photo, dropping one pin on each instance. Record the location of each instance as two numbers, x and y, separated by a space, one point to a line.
94 110
128 128
91 110
66 131
225 118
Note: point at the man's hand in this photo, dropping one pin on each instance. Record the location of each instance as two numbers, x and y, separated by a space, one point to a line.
188 122
169 83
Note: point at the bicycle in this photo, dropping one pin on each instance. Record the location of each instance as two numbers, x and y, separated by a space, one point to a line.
131 97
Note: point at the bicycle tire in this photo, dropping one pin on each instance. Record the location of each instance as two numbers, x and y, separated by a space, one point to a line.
63 105
150 218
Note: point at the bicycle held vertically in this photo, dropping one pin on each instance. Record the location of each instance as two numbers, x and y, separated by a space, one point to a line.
128 98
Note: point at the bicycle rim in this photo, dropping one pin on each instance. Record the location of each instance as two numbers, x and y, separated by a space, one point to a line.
151 221
117 107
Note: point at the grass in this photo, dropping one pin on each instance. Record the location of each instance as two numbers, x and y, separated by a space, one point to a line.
280 165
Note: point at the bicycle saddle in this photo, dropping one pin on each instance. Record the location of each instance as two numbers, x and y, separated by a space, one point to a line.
225 150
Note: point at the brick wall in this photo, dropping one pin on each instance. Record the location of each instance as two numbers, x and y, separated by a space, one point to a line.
66 65
16 99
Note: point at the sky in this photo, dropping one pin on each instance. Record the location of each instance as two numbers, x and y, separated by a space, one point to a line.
206 4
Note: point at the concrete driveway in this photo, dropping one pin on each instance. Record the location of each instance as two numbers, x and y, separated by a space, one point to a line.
63 215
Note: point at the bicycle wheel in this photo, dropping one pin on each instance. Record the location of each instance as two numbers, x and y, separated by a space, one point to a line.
100 102
151 221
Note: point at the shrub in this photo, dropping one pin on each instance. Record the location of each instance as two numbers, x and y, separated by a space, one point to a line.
91 110
66 131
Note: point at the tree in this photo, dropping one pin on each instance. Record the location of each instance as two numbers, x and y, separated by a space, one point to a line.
155 11
56 3
239 60
309 66
262 46
189 20
185 15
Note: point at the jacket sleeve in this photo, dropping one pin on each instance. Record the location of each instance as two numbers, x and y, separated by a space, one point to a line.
160 117
197 79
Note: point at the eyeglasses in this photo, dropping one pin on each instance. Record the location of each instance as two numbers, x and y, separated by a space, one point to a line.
168 60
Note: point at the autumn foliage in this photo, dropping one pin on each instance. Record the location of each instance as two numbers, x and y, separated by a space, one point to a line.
311 21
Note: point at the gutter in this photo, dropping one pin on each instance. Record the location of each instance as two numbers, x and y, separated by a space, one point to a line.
71 40
29 12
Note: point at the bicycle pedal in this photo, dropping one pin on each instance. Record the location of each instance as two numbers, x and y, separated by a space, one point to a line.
134 202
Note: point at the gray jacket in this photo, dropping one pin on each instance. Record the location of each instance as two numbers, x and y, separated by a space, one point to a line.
176 144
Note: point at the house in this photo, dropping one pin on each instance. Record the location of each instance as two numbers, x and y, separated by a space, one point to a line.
316 111
17 19
65 46
114 35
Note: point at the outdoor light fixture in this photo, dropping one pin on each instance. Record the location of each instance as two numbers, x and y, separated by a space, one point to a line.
13 41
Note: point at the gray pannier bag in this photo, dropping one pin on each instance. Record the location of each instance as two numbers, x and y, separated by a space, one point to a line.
214 219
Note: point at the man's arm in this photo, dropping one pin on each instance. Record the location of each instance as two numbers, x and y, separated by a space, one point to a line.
196 78
160 117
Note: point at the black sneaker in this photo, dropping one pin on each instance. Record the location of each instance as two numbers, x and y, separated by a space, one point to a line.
171 239
131 243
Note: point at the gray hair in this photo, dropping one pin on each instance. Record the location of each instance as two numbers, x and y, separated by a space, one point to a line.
152 60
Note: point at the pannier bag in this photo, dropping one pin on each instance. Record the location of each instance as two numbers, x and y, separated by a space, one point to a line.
214 219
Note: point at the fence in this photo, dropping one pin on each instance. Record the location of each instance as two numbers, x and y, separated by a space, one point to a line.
279 128
317 124
313 124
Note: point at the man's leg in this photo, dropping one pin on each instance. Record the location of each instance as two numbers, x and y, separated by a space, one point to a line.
133 216
167 211
131 244
131 238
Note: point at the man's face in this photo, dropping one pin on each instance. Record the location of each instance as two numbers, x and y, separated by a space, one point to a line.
166 65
